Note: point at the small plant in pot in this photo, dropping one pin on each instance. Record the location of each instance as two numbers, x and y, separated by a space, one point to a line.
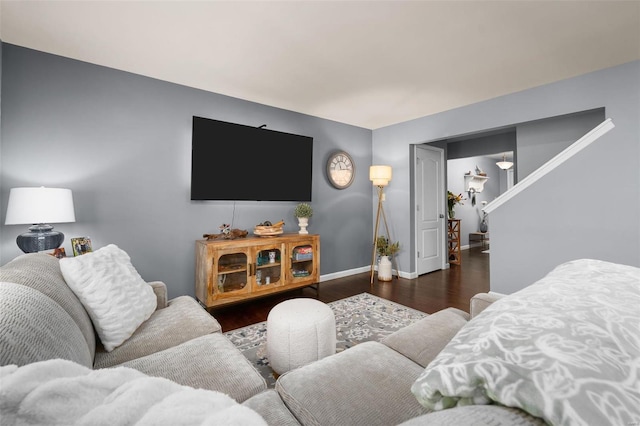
386 250
303 212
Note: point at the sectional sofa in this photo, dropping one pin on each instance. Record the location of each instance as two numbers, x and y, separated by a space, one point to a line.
547 354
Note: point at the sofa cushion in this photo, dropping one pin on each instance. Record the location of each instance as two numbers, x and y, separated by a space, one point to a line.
477 415
368 384
565 349
208 362
41 272
424 339
116 297
183 319
33 327
270 406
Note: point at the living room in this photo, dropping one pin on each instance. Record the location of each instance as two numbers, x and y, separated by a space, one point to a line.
121 140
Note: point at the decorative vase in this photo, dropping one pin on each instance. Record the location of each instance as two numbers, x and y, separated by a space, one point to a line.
303 222
483 226
452 214
384 269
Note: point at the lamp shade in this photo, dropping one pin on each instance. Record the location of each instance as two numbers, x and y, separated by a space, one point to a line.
504 164
40 205
380 175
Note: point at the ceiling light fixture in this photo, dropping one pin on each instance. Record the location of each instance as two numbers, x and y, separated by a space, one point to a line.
504 164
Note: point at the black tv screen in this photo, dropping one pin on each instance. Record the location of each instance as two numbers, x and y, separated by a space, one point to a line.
236 162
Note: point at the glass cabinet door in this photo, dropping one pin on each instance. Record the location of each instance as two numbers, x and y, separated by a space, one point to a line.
268 268
302 261
232 273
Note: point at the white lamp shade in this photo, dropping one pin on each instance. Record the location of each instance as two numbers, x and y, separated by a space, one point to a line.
504 164
39 205
380 175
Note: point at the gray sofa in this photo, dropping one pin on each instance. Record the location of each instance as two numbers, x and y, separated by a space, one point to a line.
41 318
372 383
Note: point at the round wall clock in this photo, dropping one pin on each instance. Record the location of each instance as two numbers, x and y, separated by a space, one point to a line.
340 169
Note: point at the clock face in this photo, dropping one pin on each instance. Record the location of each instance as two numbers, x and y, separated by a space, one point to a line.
340 170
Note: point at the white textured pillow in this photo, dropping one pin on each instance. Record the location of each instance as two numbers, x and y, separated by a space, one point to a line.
116 297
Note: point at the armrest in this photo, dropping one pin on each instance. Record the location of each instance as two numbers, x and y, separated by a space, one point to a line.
424 339
160 289
481 301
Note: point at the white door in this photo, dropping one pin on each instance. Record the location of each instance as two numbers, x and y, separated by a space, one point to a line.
429 208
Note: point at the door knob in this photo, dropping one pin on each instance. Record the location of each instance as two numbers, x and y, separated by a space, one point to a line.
441 216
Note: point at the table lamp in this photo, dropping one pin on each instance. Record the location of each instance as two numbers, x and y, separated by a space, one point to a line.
40 207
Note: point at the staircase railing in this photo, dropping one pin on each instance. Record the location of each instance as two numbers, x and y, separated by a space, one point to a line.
554 162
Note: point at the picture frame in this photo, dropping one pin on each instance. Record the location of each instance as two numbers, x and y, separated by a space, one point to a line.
81 245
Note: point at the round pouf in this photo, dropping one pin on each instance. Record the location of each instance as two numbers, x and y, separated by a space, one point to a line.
299 331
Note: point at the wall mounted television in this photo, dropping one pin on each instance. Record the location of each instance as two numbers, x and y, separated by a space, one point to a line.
237 162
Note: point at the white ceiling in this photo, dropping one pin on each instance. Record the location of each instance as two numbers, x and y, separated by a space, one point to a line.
365 63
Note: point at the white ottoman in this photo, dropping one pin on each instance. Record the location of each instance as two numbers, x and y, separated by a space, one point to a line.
299 331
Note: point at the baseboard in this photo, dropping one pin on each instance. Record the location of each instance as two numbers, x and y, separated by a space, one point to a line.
355 271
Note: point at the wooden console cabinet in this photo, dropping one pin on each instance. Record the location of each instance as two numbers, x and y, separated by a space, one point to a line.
230 271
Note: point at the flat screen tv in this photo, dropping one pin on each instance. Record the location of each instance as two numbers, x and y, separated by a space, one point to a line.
237 162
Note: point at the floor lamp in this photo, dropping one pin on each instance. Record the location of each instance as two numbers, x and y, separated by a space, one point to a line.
380 176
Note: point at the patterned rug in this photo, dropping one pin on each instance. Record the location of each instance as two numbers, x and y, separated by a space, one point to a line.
359 318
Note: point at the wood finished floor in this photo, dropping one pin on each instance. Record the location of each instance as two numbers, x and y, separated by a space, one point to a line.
427 293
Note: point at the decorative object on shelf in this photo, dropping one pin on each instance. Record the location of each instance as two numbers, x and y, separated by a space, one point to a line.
380 176
303 212
268 229
479 171
226 233
452 200
341 171
39 207
81 245
504 164
386 251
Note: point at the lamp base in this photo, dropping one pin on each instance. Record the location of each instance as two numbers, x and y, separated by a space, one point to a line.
41 237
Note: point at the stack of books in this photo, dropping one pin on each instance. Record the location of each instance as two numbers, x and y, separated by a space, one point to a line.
303 253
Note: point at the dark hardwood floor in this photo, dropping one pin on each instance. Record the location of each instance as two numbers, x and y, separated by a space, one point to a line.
427 293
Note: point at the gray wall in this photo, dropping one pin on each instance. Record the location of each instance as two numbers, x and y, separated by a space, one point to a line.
122 143
541 140
575 211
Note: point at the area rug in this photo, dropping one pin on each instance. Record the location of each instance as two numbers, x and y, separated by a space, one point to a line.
360 318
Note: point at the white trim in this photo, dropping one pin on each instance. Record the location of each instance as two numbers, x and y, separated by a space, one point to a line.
569 152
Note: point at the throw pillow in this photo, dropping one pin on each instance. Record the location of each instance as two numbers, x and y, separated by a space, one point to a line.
115 296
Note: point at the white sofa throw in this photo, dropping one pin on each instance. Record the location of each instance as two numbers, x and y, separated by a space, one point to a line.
60 392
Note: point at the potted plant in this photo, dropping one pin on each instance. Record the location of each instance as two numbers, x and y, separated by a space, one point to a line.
303 212
385 250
